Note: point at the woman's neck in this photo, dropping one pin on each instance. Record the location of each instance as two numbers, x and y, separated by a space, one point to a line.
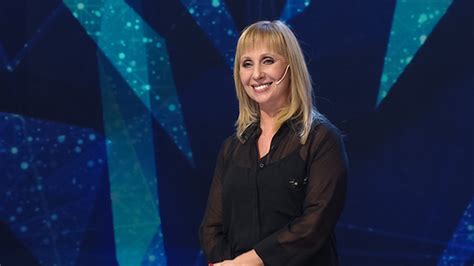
267 122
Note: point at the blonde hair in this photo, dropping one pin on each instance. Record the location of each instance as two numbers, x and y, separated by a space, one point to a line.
278 37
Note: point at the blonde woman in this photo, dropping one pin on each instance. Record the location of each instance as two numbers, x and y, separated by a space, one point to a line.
280 181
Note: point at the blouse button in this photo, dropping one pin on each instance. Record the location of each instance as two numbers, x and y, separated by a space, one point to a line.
261 165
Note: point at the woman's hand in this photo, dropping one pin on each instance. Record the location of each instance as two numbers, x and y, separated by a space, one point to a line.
249 258
225 262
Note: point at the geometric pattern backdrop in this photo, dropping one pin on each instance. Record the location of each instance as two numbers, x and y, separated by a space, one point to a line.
113 112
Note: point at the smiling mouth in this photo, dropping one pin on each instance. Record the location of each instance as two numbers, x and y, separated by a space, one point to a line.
262 86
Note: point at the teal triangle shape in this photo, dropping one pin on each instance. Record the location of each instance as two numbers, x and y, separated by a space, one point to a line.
412 23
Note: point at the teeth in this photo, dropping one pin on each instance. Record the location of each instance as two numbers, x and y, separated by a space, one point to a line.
262 87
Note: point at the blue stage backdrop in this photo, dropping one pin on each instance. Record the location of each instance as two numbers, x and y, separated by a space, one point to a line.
112 113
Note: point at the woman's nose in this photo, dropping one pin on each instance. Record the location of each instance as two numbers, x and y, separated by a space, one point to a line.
257 73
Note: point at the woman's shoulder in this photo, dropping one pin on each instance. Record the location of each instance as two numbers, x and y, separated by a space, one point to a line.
323 129
229 144
230 140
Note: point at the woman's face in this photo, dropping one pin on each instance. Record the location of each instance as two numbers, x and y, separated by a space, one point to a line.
260 70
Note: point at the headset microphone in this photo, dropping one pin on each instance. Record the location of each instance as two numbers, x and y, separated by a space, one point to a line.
284 75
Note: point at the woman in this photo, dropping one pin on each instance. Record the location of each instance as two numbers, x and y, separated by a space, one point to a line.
280 181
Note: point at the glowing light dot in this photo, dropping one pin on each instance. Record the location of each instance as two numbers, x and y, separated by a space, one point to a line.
14 150
146 87
129 69
54 217
23 229
216 3
19 210
151 258
384 78
158 45
175 129
92 137
61 138
77 149
229 32
121 55
80 6
90 164
423 18
157 97
191 10
172 107
24 165
39 187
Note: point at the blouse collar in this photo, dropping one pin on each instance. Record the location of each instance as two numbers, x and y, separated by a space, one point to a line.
254 129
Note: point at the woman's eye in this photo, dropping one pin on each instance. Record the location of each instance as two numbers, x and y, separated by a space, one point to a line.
268 61
246 64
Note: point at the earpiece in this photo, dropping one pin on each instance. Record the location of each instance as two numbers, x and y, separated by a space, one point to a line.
284 75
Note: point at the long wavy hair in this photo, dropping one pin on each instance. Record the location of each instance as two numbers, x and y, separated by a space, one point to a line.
280 39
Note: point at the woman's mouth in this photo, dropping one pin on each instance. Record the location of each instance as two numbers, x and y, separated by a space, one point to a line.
262 87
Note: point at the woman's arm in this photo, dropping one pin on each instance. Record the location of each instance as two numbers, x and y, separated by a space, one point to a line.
211 234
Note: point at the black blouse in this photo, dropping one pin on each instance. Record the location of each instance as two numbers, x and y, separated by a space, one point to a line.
285 205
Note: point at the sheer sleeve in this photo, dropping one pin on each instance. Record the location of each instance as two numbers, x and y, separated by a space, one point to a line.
211 234
302 238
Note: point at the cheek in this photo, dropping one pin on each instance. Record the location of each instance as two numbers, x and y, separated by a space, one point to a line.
244 77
